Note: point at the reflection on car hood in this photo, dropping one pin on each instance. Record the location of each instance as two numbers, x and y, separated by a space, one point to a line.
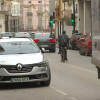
5 37
20 58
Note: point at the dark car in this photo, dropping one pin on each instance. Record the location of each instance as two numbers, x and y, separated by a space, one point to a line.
80 40
73 39
86 47
22 35
46 41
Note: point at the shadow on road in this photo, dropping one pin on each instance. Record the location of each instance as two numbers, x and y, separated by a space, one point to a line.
12 86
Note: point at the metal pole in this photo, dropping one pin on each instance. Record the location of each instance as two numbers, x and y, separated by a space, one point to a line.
17 18
74 15
45 14
9 16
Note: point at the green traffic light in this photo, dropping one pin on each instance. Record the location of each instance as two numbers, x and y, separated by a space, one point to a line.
51 21
72 21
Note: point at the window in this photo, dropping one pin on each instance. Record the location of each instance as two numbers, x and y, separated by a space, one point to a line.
29 1
29 14
39 1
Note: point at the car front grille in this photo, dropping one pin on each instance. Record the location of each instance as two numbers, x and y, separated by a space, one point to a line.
13 69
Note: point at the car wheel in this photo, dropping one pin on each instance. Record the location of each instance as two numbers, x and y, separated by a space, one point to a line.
46 83
80 51
87 53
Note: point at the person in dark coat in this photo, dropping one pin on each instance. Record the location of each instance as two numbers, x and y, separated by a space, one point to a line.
63 41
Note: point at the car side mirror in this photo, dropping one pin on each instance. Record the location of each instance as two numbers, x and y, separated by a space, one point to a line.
42 50
82 43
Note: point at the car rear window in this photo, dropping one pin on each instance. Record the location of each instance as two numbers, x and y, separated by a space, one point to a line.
6 34
77 35
42 36
23 34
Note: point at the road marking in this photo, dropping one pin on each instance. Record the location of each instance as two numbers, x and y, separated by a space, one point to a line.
83 69
61 92
52 87
73 98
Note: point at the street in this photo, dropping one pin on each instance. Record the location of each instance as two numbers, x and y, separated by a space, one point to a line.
75 79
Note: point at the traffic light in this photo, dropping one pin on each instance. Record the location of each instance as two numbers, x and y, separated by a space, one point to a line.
72 18
51 19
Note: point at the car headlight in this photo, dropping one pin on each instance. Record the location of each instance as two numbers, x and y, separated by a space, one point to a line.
42 64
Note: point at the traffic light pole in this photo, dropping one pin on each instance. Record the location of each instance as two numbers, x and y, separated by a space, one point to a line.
74 16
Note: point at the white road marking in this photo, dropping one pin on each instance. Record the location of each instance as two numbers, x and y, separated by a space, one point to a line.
61 92
73 98
83 69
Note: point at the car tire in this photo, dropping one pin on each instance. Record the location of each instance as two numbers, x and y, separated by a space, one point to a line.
46 83
87 53
80 52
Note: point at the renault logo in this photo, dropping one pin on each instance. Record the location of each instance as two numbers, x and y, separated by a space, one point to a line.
19 67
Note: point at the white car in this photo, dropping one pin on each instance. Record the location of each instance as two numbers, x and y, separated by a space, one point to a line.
22 61
6 35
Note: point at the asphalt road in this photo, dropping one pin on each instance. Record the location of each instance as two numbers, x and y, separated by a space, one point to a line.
75 79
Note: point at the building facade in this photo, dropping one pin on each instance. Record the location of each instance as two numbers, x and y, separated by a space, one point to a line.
36 18
84 16
11 16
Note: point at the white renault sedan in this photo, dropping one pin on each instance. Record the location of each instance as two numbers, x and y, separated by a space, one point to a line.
22 61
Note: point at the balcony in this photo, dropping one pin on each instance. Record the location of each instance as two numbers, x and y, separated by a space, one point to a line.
4 7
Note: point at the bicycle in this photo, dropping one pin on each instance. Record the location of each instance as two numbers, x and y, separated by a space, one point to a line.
63 54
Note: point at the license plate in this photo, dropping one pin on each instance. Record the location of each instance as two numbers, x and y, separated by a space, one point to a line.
24 79
44 45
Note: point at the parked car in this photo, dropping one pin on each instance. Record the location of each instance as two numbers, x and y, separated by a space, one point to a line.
22 35
7 35
80 40
86 47
72 41
18 64
46 41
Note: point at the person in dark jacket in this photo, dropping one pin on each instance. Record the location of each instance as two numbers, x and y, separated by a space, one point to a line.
63 41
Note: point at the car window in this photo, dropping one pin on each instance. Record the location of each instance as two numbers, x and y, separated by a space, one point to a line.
42 36
88 37
77 35
6 34
23 34
18 47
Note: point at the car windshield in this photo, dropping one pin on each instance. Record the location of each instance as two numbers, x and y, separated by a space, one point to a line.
6 34
18 48
23 34
42 36
77 35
